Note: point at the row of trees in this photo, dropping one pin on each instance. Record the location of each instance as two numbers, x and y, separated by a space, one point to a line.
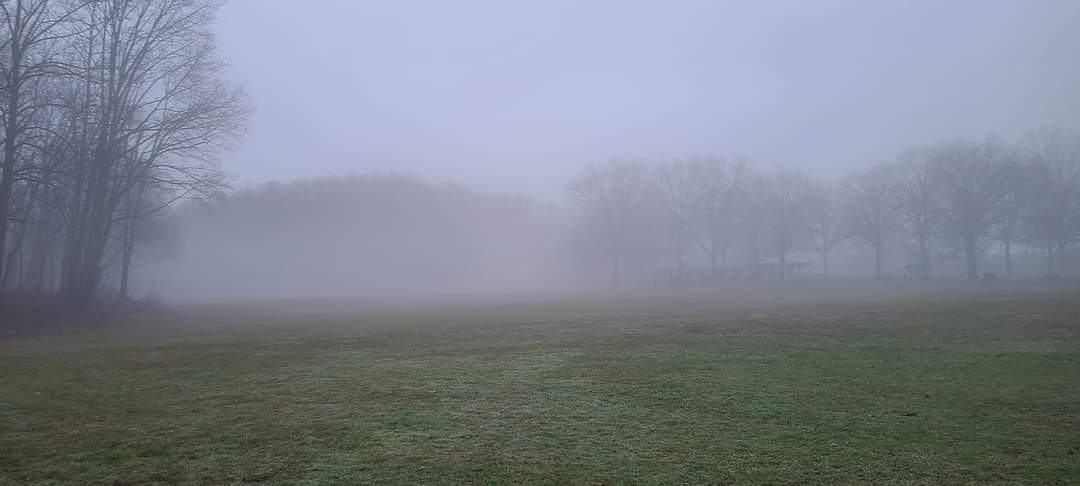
112 110
355 235
951 199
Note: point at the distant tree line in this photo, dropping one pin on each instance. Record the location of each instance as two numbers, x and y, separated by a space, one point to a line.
111 111
949 200
366 234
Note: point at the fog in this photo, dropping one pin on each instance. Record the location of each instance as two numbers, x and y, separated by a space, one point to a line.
366 148
510 103
536 242
514 97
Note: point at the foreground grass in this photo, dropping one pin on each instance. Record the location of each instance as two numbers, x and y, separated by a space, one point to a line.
666 389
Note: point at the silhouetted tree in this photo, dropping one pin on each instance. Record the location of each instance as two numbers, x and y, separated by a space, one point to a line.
788 196
871 209
717 184
30 34
1052 202
973 185
681 202
827 221
1010 210
918 196
160 113
615 192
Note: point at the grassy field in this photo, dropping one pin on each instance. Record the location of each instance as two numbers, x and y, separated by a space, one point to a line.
744 386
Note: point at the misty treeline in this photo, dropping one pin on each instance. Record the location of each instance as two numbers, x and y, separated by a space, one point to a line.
112 110
956 209
364 234
953 201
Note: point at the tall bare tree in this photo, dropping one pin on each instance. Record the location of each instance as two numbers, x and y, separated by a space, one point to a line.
973 185
158 112
615 192
681 200
29 58
918 197
1010 210
751 216
788 198
872 214
717 184
1052 208
827 221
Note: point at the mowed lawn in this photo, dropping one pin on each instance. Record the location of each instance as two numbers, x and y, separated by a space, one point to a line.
795 385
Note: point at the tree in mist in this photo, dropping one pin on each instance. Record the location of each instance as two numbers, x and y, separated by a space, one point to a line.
138 222
787 201
112 109
159 114
615 193
681 202
973 185
828 223
1052 196
1010 209
752 210
717 182
373 233
918 197
871 210
30 34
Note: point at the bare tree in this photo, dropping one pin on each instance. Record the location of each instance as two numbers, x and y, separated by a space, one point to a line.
681 201
614 192
1010 210
871 209
29 32
788 197
918 197
1052 207
751 216
827 222
717 184
973 186
158 112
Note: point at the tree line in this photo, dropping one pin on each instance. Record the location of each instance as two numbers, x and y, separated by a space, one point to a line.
112 110
354 235
948 200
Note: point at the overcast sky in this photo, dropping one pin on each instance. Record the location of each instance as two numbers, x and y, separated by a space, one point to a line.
519 95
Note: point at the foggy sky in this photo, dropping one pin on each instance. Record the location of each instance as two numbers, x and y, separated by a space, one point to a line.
517 96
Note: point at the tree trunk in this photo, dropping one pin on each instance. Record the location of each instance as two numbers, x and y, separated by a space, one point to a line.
783 263
924 250
1008 257
1050 258
825 264
38 255
7 177
90 248
877 259
127 251
16 247
1063 264
7 183
971 257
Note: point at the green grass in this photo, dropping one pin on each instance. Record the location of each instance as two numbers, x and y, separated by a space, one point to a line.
727 386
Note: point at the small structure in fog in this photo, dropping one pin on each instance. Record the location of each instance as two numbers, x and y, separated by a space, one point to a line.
915 271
